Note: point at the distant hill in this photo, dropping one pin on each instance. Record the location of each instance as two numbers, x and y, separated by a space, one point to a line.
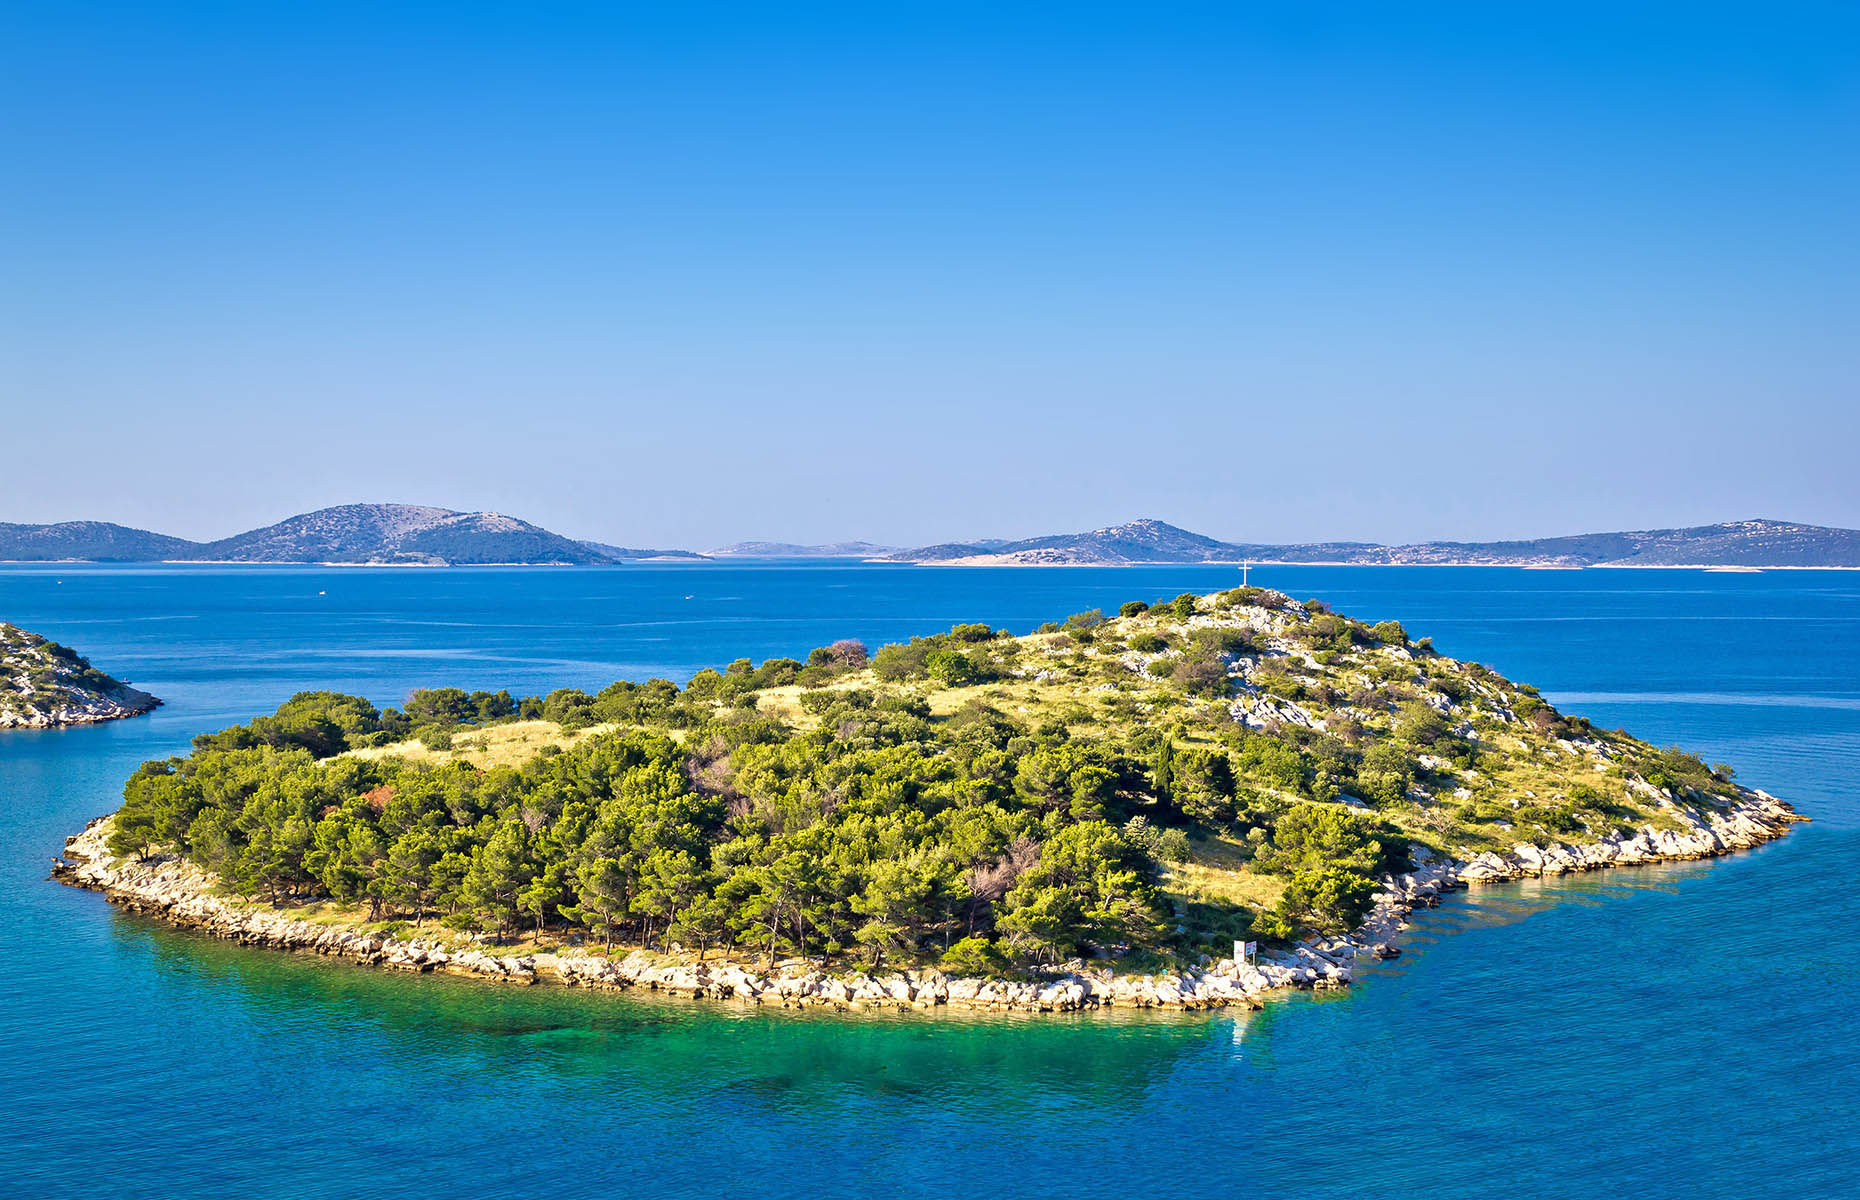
401 533
635 554
1139 541
791 550
350 533
1756 543
421 535
89 541
1145 541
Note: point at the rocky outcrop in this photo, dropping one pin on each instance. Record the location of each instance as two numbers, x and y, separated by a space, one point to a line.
112 705
177 891
1758 818
44 685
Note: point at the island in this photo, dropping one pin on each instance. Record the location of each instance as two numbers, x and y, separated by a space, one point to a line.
44 685
383 535
1748 545
1189 803
415 535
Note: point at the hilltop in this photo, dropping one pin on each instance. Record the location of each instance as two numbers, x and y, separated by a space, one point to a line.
44 684
1142 789
1755 543
401 533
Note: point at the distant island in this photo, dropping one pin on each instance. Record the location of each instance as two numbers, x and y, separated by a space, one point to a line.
791 550
1099 813
44 685
417 535
351 534
626 554
1756 543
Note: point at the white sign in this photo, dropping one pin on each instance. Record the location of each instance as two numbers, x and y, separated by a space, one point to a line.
1244 950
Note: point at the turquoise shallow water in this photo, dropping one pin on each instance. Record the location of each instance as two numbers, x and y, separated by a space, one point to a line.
1672 1031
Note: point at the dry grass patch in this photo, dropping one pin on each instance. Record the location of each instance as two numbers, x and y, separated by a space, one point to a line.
1218 873
507 745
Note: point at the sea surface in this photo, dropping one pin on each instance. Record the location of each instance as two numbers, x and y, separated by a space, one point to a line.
1659 1032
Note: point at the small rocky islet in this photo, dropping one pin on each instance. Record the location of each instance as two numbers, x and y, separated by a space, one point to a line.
1088 816
45 685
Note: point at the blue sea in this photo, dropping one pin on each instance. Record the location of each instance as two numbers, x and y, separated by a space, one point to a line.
1681 1031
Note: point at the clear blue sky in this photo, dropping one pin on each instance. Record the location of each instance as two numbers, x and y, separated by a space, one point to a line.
680 274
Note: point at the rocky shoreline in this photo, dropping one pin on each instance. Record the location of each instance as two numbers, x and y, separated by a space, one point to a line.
174 890
93 709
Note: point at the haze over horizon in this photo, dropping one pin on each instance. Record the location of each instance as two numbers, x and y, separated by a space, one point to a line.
687 277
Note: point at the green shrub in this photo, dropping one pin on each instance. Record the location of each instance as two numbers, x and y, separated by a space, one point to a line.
1275 680
1419 725
1312 837
952 667
818 701
1224 641
1452 687
1385 775
571 708
903 660
1325 900
974 957
1676 771
1201 676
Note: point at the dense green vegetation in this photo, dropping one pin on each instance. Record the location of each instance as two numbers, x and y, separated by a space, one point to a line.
1156 783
